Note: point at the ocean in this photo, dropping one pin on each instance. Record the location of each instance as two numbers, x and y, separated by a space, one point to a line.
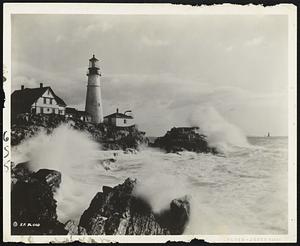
243 191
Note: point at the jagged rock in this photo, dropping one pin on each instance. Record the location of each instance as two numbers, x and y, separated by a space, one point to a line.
52 178
176 217
82 231
20 172
116 211
33 207
71 227
184 139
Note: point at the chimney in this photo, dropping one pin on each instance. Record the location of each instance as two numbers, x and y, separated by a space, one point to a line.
22 87
41 85
117 110
127 111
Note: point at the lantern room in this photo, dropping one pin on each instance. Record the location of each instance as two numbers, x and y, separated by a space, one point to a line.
93 66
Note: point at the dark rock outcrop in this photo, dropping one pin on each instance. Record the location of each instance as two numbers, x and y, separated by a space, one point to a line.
184 138
20 133
117 211
33 207
51 177
124 138
20 172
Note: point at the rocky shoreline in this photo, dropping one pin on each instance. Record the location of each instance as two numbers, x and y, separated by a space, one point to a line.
114 211
110 137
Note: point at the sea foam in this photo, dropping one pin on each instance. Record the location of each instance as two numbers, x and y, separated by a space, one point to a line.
220 133
228 195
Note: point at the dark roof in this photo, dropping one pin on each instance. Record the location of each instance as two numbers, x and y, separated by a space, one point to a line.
83 113
58 99
71 110
74 111
23 99
119 115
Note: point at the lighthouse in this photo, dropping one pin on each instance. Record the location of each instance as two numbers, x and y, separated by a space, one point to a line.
93 104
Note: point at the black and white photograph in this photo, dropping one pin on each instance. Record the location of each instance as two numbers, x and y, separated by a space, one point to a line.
138 120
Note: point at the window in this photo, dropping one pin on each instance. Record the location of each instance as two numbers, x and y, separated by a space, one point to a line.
53 110
51 100
45 100
125 121
42 110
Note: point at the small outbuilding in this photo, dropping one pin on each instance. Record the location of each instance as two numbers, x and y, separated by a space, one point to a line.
120 119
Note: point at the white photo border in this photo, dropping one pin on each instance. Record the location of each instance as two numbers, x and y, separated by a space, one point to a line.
154 9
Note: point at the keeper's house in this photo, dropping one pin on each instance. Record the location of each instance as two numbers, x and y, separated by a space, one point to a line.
119 119
41 100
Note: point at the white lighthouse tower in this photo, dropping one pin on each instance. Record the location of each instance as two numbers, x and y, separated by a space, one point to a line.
93 104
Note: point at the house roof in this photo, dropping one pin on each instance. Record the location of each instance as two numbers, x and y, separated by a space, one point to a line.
119 115
71 110
74 111
80 112
23 99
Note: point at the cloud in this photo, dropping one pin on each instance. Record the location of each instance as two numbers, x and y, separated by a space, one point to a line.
153 42
84 32
254 41
229 48
59 38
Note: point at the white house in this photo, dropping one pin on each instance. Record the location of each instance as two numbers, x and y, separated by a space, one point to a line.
41 100
119 119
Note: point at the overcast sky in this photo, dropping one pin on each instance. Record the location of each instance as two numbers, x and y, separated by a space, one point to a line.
162 67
